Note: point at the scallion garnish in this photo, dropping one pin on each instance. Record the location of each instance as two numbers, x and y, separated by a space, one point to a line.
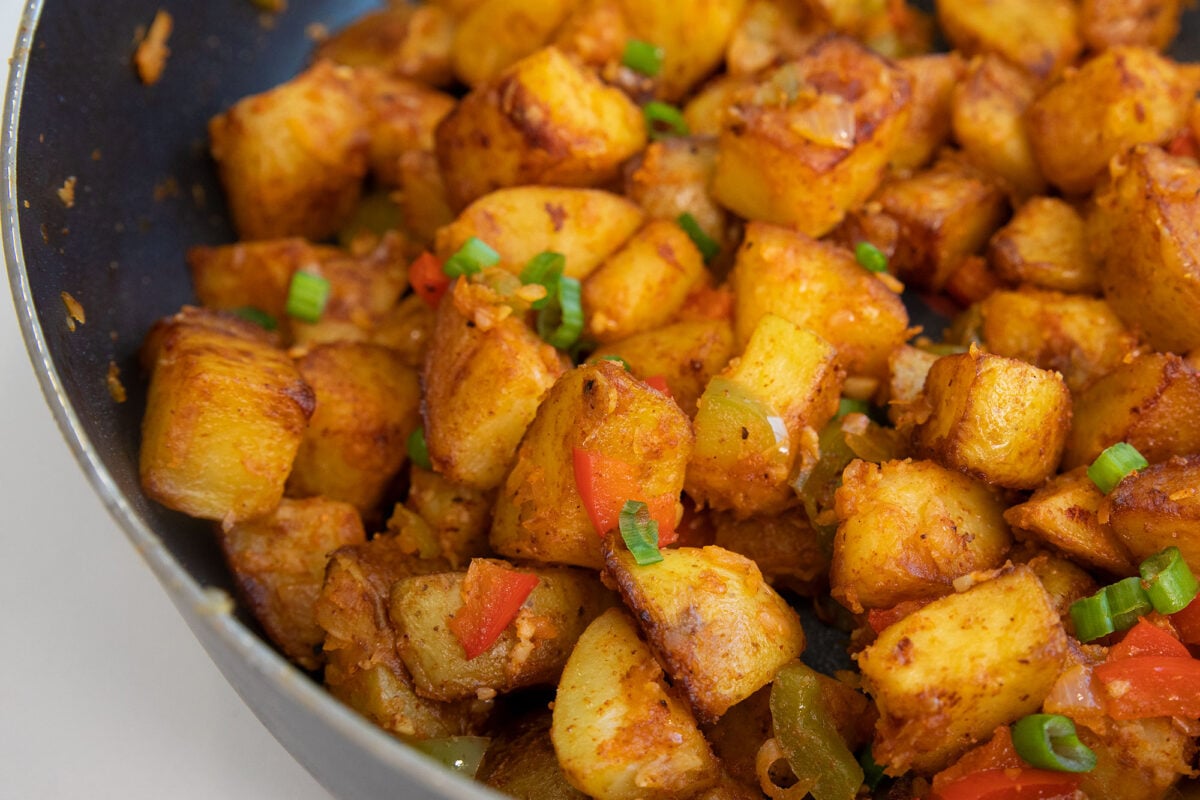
307 296
561 321
640 532
1114 464
544 269
1127 602
472 257
256 315
870 257
848 405
1049 741
663 120
418 451
643 57
1168 581
1092 617
617 359
704 243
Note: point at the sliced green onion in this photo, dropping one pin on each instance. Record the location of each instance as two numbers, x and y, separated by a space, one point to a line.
871 257
1114 464
640 532
418 451
704 243
849 405
872 772
1168 581
1049 741
1127 602
1091 617
472 257
663 120
643 57
256 315
307 296
617 359
544 269
561 322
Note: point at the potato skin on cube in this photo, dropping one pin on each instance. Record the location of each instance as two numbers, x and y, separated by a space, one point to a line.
947 674
292 160
600 408
806 162
482 386
720 631
545 120
907 529
619 730
1156 508
225 414
278 562
997 419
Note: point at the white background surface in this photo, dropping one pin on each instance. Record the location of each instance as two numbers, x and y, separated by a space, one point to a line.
103 691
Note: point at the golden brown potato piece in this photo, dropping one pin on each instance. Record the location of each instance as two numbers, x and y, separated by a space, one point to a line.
544 120
804 159
496 34
485 374
292 159
404 115
458 516
707 109
771 32
1062 579
520 762
531 651
933 78
278 562
422 196
595 32
611 686
907 529
1151 271
368 402
405 40
362 668
997 419
1136 759
1045 245
1080 337
908 367
1040 36
225 415
788 551
821 287
585 225
718 628
1148 23
644 284
755 415
685 354
1122 97
989 123
1140 403
602 409
1158 507
1062 516
406 329
947 674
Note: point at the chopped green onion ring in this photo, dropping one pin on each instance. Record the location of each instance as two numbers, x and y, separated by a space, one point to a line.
1127 602
848 405
1049 741
418 450
256 315
1111 466
663 120
643 57
472 257
1168 581
707 246
1091 617
307 296
544 269
640 532
870 257
561 322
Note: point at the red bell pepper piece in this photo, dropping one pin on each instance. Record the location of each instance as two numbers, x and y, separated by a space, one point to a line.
492 596
659 383
1187 622
1147 639
1151 686
605 483
427 278
1002 784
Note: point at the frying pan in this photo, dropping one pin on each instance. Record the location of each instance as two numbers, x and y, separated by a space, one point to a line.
145 191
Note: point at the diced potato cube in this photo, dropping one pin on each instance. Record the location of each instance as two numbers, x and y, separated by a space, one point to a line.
545 120
406 329
595 32
997 419
718 628
520 761
612 685
1045 245
225 415
1122 97
1040 36
752 419
1158 507
705 112
459 516
424 207
693 41
1138 759
804 161
907 529
1148 23
405 40
531 651
788 551
279 563
496 34
771 32
292 159
947 674
404 115
933 77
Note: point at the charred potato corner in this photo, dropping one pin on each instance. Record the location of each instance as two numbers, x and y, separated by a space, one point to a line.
566 358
